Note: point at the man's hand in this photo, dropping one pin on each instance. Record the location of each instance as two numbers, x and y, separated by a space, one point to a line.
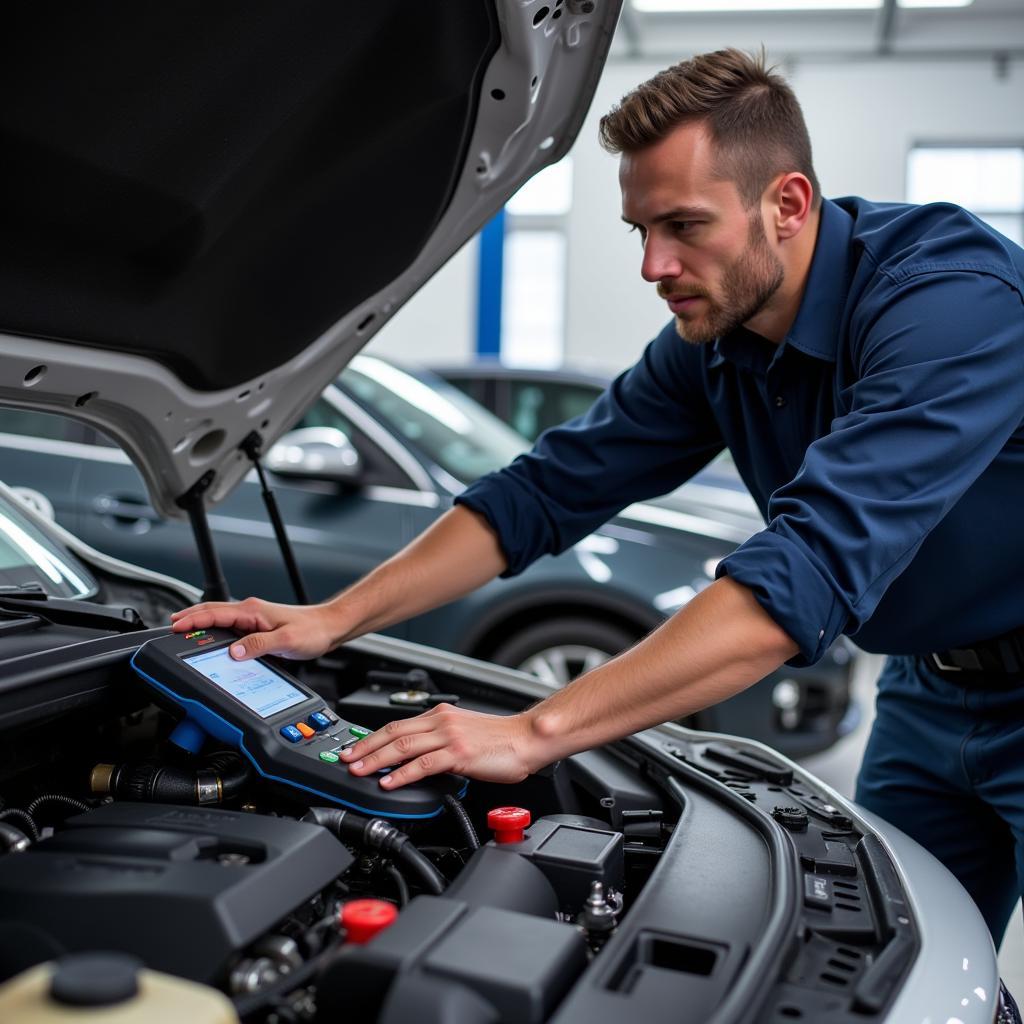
289 631
492 748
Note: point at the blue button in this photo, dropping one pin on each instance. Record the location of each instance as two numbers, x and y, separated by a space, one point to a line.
289 732
319 721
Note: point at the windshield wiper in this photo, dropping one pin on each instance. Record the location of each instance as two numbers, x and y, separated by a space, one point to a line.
30 598
23 591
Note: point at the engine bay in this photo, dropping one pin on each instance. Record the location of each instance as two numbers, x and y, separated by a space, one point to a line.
659 878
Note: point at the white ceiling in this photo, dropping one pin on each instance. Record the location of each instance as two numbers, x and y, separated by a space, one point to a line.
986 29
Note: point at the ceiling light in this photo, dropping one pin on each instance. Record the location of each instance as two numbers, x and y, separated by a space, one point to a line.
727 6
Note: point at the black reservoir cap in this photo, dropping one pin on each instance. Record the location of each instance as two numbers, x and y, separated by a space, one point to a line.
95 979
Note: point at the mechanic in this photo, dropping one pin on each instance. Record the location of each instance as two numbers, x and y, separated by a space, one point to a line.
864 363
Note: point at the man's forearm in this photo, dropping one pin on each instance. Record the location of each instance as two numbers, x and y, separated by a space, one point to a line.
719 644
457 554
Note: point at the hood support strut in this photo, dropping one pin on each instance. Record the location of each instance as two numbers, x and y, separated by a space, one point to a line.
252 446
215 587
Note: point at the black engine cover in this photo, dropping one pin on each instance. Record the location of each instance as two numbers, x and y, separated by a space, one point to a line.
183 888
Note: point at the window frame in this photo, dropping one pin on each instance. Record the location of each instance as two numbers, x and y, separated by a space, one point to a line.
968 144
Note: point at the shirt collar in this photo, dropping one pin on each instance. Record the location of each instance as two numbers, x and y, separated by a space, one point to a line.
819 319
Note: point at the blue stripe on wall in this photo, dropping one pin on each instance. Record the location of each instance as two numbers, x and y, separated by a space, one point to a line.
489 281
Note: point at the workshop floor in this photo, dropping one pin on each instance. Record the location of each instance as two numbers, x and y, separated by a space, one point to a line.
838 767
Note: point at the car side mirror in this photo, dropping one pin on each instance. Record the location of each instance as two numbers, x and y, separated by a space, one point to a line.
316 453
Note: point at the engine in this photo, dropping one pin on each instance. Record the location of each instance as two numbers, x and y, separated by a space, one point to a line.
202 871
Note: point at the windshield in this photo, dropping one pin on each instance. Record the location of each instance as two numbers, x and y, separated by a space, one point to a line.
28 556
463 438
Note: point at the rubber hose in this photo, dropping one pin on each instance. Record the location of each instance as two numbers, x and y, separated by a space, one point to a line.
432 879
220 777
56 798
378 834
12 839
464 820
33 828
401 885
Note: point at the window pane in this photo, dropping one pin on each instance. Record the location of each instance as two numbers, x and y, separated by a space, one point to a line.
36 424
548 193
533 299
538 405
977 179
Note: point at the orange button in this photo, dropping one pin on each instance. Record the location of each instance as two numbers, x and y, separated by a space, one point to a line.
306 730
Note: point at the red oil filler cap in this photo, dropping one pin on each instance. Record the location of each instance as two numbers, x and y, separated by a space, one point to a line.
362 919
508 823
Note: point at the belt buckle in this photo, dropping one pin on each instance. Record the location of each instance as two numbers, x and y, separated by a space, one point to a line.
942 666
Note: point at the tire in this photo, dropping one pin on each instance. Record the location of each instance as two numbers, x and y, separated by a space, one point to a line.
559 650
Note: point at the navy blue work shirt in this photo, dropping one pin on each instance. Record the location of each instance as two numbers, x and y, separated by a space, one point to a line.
883 439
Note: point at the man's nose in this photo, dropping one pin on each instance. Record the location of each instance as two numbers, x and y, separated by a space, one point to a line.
659 262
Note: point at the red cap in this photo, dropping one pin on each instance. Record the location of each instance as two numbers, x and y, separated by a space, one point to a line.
508 823
362 919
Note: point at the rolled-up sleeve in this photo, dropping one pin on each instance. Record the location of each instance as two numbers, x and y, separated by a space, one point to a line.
651 430
938 392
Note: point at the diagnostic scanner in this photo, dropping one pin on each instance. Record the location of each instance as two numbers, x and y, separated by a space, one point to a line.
285 729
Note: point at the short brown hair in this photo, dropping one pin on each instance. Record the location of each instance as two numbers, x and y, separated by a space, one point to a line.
751 114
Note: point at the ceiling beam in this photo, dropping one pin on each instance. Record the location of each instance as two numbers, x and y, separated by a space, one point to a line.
886 27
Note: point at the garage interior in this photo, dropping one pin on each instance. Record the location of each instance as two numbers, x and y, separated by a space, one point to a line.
904 101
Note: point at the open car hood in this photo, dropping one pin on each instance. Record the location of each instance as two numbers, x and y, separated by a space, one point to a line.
208 209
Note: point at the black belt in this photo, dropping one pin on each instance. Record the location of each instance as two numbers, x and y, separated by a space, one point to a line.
1000 656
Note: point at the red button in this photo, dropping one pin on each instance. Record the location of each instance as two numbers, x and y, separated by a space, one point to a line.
508 823
362 919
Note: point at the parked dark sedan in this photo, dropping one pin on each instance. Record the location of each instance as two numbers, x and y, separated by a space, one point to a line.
379 457
529 400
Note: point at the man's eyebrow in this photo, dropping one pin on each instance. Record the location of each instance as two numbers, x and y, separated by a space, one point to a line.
677 213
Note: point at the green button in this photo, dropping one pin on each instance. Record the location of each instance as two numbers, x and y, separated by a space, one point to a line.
329 756
358 730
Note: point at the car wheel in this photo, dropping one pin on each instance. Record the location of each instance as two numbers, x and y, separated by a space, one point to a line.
561 649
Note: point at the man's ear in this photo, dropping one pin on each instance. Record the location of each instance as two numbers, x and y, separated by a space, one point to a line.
791 203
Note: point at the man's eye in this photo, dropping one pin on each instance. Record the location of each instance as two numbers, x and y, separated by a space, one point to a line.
682 226
641 231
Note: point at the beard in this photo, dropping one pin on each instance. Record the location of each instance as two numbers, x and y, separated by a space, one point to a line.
747 285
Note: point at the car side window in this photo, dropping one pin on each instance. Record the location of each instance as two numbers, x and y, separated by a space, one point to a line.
41 424
322 414
534 406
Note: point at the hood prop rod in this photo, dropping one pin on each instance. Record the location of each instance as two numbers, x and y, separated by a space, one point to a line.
252 446
215 587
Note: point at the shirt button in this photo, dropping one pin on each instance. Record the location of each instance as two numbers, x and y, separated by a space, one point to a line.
779 402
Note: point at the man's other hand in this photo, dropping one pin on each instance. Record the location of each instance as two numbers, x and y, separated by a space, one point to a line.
492 748
289 631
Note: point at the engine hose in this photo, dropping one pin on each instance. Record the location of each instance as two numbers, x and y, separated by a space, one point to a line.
56 798
378 834
432 879
455 807
30 823
401 885
220 777
13 840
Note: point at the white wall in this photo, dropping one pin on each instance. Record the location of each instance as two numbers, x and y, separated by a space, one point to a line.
863 119
438 324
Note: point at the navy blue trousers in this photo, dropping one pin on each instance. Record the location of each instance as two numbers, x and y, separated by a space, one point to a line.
945 764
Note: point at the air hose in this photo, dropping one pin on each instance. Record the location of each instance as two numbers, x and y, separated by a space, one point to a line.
219 777
378 834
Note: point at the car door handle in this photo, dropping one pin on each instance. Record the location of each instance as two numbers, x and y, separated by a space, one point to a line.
130 513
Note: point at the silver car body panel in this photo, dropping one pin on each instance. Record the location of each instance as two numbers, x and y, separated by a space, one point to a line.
176 434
